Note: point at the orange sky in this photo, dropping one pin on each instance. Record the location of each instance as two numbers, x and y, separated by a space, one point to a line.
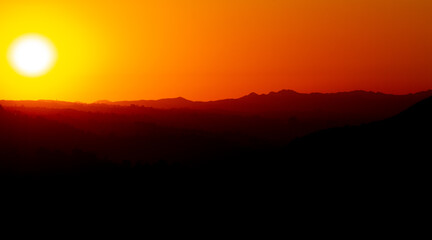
212 49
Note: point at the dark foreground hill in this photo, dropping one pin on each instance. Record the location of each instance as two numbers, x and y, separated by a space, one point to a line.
367 173
396 149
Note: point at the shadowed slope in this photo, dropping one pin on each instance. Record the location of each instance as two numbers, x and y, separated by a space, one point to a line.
398 146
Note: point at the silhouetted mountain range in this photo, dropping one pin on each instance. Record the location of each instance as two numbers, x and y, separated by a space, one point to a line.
282 102
290 102
50 136
276 116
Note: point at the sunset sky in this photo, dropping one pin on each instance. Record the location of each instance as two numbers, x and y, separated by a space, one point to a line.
213 49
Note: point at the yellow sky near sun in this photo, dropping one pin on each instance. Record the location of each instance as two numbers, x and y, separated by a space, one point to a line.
211 49
79 48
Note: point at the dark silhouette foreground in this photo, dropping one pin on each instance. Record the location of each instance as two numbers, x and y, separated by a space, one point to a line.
133 142
371 171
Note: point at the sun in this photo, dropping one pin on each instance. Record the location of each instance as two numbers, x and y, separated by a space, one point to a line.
32 55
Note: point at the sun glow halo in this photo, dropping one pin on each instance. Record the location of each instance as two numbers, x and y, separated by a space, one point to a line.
32 55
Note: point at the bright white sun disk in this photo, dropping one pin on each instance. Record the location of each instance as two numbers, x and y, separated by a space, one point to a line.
32 55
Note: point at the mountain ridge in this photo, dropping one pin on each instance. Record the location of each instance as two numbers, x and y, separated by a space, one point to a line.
254 94
148 136
283 92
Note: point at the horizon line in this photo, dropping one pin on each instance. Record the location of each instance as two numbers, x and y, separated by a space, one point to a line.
220 99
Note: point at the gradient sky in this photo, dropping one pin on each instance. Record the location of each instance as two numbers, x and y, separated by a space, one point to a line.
212 49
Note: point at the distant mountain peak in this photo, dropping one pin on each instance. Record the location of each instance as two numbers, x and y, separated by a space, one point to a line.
287 91
177 99
250 96
272 93
281 92
181 99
